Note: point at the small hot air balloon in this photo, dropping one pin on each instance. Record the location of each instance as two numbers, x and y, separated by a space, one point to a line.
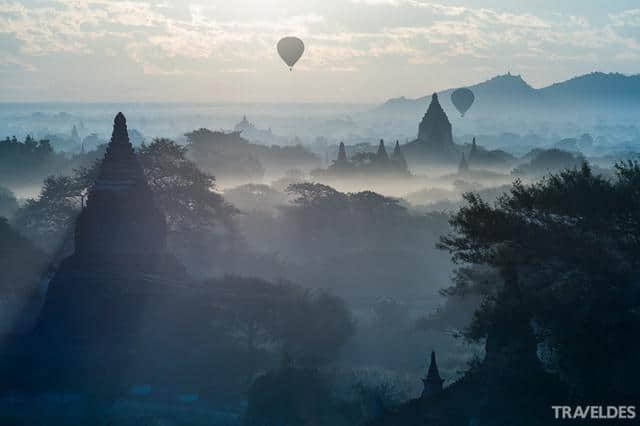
290 50
462 99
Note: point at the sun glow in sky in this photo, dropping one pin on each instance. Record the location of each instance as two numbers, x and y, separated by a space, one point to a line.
356 50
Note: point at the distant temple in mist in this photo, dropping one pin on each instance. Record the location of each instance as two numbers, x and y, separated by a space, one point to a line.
435 138
367 163
252 133
435 127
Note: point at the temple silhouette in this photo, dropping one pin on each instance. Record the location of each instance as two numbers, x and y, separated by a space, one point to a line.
120 309
507 383
120 217
435 138
367 163
433 382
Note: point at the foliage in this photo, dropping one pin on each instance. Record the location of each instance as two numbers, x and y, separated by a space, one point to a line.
311 327
574 240
22 266
255 197
8 202
29 149
27 161
321 205
48 218
548 160
233 157
293 396
184 193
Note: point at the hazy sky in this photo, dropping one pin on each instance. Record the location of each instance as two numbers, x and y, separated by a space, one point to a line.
357 50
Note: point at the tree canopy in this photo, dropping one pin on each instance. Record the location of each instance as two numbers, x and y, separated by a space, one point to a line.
184 193
574 240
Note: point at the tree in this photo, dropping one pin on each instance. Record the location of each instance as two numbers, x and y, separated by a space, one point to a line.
22 267
48 219
183 192
311 327
186 195
29 160
573 242
8 202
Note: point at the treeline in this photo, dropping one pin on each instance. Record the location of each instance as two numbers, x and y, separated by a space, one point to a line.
231 157
29 161
547 280
241 326
570 247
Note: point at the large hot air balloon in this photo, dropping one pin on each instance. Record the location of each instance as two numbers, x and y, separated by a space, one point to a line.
462 99
290 50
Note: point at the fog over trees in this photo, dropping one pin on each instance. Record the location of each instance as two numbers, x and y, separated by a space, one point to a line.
245 275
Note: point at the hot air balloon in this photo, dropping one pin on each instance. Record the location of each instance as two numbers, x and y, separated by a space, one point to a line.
290 50
462 99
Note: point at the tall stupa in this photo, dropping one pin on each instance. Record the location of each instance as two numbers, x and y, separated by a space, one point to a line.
434 143
120 217
120 260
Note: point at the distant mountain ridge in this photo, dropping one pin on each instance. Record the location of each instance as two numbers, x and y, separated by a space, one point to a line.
594 90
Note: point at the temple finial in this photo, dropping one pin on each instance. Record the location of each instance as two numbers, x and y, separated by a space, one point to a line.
120 134
120 120
433 382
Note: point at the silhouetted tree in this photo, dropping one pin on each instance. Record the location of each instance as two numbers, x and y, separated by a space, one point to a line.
22 267
28 160
185 194
8 202
574 241
47 219
310 327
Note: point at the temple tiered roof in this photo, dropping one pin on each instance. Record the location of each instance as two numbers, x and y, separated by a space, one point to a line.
433 381
120 216
435 127
120 169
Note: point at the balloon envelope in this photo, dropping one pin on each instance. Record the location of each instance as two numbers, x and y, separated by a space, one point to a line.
462 99
290 50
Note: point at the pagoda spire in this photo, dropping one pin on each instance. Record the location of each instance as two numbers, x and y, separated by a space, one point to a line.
398 157
433 382
120 215
396 149
342 153
120 135
435 127
382 152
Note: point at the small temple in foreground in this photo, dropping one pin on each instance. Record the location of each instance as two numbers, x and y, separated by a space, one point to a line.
433 382
509 381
